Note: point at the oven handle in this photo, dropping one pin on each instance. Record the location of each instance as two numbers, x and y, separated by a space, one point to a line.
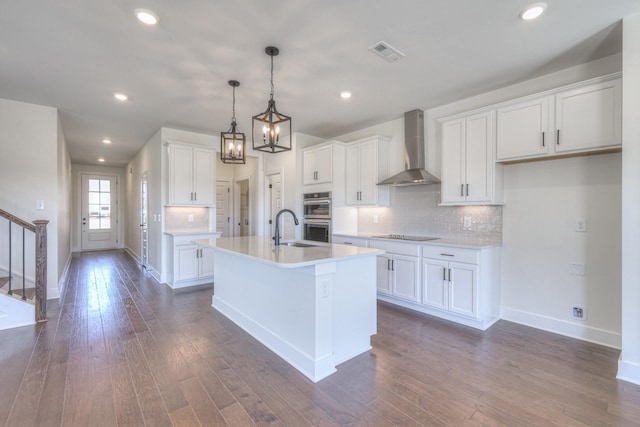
317 221
317 202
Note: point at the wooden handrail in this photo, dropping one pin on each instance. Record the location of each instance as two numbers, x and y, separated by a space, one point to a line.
18 221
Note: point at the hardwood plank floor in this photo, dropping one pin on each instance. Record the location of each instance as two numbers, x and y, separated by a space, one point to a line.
119 349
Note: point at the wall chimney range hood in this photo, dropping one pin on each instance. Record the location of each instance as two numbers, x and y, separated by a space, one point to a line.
414 154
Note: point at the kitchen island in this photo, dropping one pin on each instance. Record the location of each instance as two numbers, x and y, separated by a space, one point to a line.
314 306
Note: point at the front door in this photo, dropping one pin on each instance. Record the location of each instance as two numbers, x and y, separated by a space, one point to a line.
99 212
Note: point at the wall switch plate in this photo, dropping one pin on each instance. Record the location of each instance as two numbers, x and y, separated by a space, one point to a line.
581 225
467 223
190 218
578 312
376 219
40 205
577 269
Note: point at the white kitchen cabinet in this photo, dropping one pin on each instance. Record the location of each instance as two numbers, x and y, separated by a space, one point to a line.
350 240
398 270
191 175
367 163
450 286
525 129
568 121
317 165
469 172
589 117
191 264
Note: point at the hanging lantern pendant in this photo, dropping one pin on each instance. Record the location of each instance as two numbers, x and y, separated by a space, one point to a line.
267 126
232 142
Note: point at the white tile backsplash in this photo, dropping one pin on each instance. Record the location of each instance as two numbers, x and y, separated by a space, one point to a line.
415 210
177 218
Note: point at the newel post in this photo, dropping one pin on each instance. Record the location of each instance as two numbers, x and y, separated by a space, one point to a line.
41 269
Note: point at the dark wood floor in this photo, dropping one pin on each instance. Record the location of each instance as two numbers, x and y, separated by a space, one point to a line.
120 349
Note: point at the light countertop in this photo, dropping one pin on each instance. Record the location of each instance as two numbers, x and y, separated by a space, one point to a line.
176 233
262 249
459 242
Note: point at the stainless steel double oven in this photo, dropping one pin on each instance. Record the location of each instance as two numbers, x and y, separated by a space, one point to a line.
317 216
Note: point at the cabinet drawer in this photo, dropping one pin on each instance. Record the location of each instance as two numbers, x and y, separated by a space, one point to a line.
354 241
447 253
396 248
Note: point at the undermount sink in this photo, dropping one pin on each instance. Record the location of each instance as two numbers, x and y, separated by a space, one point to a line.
299 244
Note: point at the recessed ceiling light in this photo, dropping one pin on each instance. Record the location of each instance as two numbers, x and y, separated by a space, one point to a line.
101 160
120 96
533 11
147 16
106 141
345 94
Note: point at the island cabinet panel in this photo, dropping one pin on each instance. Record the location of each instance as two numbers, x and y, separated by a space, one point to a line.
191 175
315 316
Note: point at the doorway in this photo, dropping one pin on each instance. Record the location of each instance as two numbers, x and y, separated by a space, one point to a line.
99 211
273 200
242 209
223 207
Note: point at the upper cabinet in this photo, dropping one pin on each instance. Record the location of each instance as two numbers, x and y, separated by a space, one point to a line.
191 175
568 121
317 165
367 163
468 167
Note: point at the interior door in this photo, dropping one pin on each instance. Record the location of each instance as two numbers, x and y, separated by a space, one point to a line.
273 201
223 208
144 228
99 212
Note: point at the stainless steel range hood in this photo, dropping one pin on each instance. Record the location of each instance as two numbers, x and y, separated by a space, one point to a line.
414 157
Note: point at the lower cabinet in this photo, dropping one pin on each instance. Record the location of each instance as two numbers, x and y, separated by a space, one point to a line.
398 271
450 286
191 264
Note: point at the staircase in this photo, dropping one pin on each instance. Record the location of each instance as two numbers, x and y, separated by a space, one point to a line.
23 287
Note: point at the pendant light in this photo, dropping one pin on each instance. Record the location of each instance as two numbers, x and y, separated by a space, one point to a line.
232 142
269 127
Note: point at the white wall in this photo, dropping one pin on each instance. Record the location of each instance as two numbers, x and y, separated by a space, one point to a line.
543 201
64 205
629 365
29 172
76 214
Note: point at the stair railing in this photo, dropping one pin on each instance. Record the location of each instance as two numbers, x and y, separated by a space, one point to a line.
39 228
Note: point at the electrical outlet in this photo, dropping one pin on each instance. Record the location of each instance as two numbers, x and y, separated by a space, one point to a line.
40 205
376 219
581 225
577 269
190 218
578 312
467 223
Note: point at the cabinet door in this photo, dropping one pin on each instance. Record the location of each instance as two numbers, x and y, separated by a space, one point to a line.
368 173
523 129
479 158
435 283
383 268
203 176
324 165
463 298
180 175
353 175
406 277
309 166
589 117
206 262
186 262
453 140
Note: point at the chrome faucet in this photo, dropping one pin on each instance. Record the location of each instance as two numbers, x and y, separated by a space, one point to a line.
277 234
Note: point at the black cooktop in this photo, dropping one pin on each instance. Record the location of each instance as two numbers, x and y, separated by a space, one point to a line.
405 237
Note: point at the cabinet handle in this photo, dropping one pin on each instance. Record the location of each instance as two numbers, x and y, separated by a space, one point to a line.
444 274
388 264
449 275
447 255
461 190
347 243
467 190
191 196
393 265
195 196
543 139
558 137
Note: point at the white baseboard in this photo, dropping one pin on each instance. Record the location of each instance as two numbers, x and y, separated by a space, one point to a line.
54 293
628 371
133 254
562 327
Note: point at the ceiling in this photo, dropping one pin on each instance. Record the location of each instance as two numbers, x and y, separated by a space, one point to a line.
74 54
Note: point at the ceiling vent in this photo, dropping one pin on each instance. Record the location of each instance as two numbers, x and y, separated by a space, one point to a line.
386 52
